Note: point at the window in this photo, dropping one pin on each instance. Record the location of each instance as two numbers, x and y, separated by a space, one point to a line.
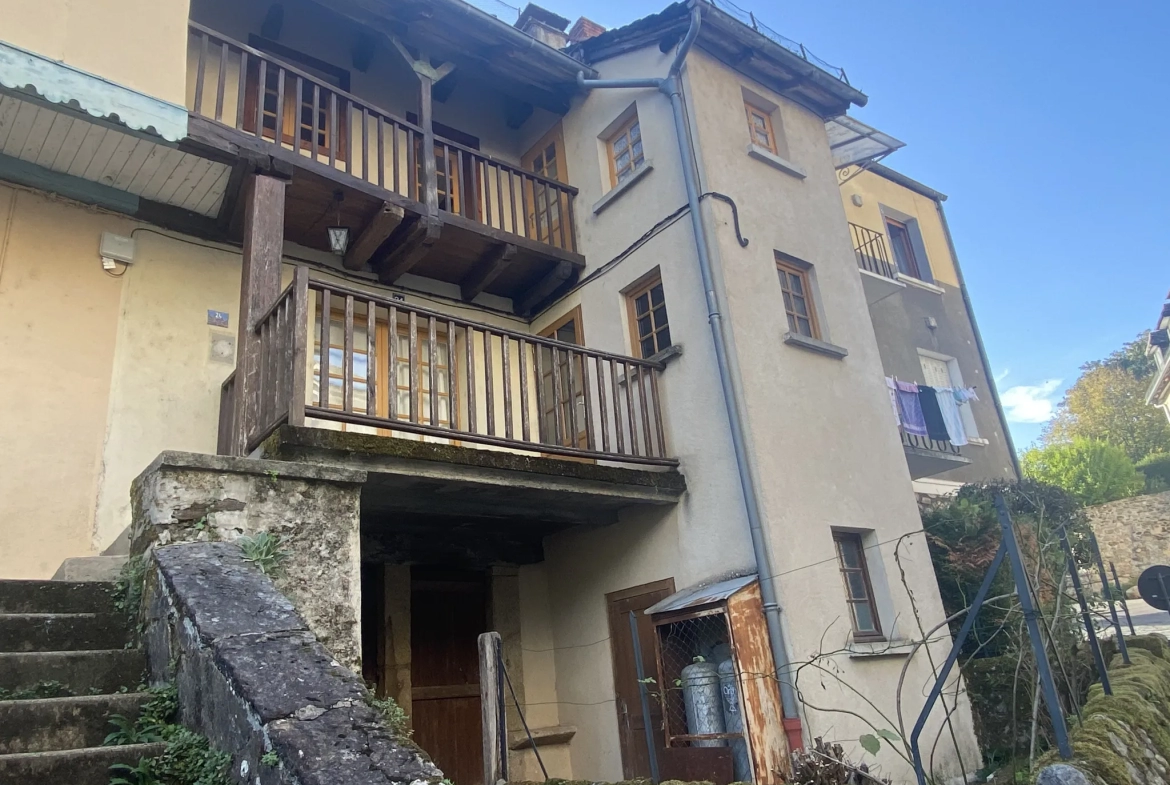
567 405
297 122
798 304
625 151
760 127
938 370
903 248
649 328
858 589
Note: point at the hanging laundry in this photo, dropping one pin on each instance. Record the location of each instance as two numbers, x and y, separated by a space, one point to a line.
936 427
892 389
964 394
910 409
949 406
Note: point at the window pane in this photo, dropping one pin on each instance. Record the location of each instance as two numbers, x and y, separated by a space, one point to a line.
637 149
798 305
796 284
663 338
359 396
803 326
620 144
656 295
787 302
622 161
792 323
850 554
856 583
648 347
644 327
641 304
863 617
635 131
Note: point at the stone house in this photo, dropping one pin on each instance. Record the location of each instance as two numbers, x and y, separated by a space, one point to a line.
552 331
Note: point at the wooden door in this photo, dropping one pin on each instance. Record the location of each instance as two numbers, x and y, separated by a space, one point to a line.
631 721
566 401
546 158
448 611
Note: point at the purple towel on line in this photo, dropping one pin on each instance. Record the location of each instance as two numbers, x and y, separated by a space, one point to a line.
910 408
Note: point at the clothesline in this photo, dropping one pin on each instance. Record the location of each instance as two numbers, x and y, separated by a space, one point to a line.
932 412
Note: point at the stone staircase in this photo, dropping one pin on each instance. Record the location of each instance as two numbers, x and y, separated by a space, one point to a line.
64 669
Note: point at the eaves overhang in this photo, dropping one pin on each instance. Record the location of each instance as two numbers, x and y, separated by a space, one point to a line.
55 82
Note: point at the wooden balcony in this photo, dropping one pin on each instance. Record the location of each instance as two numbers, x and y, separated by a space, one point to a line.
414 202
392 369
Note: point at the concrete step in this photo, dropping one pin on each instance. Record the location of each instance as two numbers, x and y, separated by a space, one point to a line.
90 568
63 631
82 672
89 766
56 597
63 723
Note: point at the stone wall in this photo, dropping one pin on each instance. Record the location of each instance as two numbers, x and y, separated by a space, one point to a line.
1133 533
253 678
187 497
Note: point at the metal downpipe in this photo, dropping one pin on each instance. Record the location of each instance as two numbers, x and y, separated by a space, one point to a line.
671 87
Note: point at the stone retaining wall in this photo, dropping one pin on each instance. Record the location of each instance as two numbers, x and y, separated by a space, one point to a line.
1133 533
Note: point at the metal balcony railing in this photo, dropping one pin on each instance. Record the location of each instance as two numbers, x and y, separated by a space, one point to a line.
872 253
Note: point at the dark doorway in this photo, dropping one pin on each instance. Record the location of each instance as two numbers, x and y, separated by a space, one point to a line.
631 722
448 611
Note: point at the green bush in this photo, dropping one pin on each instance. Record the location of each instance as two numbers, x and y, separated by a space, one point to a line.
1093 471
1156 469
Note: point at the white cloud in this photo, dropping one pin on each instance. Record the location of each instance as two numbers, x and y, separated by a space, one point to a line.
1031 404
999 377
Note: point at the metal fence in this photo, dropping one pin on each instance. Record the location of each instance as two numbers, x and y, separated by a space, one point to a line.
749 18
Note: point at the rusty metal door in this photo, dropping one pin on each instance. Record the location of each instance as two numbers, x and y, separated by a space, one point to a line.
448 611
631 722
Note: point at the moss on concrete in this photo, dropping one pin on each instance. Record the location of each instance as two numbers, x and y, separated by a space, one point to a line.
1125 737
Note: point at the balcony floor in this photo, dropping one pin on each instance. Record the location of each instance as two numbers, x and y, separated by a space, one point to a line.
463 249
416 490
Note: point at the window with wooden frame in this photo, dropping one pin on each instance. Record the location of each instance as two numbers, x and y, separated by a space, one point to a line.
858 587
451 182
798 301
336 367
649 325
903 247
626 155
760 127
442 361
566 400
297 122
546 158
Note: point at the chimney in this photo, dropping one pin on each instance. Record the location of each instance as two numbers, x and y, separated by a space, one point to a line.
584 29
544 25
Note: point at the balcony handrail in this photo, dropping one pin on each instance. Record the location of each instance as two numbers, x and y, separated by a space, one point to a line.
386 302
465 381
350 97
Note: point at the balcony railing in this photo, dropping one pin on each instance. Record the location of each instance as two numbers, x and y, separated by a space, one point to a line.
377 365
926 443
872 253
257 94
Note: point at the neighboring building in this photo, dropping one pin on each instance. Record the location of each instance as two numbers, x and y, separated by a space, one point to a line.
924 322
1158 344
518 350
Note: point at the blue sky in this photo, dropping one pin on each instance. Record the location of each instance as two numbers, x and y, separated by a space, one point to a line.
1046 124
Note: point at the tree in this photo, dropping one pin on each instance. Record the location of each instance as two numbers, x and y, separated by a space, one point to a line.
1093 471
1108 403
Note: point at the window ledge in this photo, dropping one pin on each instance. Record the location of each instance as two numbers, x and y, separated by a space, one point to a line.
899 647
666 355
912 281
775 161
616 192
977 441
815 345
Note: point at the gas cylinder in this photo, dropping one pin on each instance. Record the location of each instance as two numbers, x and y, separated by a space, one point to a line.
704 706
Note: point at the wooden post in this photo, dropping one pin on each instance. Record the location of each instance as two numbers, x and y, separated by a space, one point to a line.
430 176
491 701
259 288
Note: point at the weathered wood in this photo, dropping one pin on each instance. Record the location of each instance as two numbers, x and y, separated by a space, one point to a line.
544 288
506 351
301 324
376 232
347 358
259 288
416 241
486 270
426 120
525 424
491 701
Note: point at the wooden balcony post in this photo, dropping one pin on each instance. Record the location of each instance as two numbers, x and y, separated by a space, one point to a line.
259 288
430 170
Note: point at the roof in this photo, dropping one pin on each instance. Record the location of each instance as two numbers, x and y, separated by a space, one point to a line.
477 42
542 15
907 182
697 596
738 45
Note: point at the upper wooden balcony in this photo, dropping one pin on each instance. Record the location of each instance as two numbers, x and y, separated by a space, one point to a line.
451 213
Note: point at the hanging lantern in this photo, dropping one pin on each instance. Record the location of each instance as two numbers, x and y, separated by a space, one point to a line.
338 235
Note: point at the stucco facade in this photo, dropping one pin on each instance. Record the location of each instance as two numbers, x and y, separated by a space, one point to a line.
128 365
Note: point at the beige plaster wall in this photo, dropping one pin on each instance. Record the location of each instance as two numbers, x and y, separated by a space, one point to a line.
58 326
140 44
876 191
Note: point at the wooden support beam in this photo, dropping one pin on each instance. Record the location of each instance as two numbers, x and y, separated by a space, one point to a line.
491 701
377 231
408 245
486 270
544 288
232 196
259 288
442 89
516 112
426 120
